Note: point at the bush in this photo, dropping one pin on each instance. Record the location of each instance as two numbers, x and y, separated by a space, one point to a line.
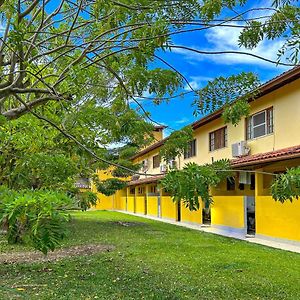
37 218
109 186
86 200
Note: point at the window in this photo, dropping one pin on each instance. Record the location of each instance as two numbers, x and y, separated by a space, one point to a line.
218 139
141 190
153 189
252 184
132 191
241 186
190 150
156 161
259 124
230 184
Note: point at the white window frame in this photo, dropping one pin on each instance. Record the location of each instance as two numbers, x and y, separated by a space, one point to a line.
268 124
255 126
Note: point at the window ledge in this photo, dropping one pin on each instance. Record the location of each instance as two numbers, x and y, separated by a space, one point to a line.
211 151
260 137
190 157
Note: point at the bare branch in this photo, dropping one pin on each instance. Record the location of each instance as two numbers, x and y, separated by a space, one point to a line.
28 10
229 52
26 107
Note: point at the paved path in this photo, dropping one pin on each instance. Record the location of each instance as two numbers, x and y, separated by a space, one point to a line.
288 246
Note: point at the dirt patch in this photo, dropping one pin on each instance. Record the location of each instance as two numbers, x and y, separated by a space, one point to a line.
128 224
34 256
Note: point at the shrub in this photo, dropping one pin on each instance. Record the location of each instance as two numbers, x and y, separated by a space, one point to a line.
37 218
86 200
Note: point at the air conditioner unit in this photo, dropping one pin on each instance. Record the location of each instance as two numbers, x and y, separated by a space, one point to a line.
245 177
240 149
163 168
172 164
145 165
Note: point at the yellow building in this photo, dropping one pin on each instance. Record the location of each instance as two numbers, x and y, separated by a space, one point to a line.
268 141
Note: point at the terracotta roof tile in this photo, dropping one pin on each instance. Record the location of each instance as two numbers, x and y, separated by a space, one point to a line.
146 180
281 154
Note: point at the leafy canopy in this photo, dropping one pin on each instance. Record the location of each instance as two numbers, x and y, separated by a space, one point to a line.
176 144
193 182
36 218
286 186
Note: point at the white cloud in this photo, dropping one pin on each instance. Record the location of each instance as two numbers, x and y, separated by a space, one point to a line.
225 39
221 39
113 146
194 84
183 120
197 82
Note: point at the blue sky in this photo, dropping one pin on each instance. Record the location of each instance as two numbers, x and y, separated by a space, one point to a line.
198 69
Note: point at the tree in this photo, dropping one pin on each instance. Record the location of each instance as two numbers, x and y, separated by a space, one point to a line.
50 50
39 167
194 181
75 66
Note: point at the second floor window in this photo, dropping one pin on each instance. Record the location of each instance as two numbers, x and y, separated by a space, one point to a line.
156 161
141 190
218 139
191 149
259 124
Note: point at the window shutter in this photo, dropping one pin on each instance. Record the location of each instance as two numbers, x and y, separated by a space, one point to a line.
270 120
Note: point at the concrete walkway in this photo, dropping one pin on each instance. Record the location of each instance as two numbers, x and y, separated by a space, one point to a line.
288 246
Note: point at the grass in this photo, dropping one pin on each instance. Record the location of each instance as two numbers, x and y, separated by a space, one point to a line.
153 260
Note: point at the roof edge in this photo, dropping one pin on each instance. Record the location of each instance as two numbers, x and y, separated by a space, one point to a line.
266 88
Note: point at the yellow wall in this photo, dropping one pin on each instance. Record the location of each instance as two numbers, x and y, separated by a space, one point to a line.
158 135
168 208
286 110
116 201
109 202
191 216
140 204
149 157
121 203
104 202
221 189
272 218
152 208
130 203
278 220
228 211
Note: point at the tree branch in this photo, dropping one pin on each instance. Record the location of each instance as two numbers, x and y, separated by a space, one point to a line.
229 52
26 107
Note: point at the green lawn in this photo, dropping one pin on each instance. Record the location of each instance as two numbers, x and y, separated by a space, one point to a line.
153 260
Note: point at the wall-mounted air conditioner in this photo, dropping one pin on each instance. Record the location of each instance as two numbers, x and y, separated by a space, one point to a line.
145 165
163 168
240 149
172 164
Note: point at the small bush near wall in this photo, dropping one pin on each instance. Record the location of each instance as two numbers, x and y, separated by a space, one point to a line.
36 218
